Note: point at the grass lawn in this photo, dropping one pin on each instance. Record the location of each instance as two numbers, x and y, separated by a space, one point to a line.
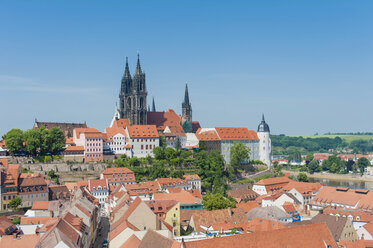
347 138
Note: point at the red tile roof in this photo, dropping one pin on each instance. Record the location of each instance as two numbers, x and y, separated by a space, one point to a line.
40 205
258 225
143 131
307 236
75 148
207 134
247 206
121 123
22 241
236 133
94 183
183 197
163 119
191 177
34 220
86 131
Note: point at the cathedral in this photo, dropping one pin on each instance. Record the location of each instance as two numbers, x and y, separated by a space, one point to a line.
133 101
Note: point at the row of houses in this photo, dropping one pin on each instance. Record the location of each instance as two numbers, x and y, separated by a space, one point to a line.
30 187
73 223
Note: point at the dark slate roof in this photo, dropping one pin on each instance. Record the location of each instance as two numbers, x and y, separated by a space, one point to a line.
263 126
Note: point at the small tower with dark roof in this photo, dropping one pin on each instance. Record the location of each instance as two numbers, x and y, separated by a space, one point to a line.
153 106
265 146
186 107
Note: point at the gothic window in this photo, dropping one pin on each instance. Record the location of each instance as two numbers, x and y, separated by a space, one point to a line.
141 103
129 103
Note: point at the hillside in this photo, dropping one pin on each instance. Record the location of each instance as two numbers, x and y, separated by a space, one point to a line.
346 137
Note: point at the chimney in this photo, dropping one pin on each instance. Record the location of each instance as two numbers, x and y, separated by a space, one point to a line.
336 218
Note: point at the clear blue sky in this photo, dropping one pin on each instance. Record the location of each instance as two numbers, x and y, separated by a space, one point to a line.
308 65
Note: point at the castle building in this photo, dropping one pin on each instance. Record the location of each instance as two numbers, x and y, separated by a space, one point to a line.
133 95
265 145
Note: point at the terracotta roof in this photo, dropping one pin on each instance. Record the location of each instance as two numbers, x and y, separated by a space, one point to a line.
269 213
356 244
163 119
289 207
183 197
121 123
170 181
75 148
112 131
273 181
161 206
208 218
34 220
3 162
71 186
149 187
207 134
369 227
79 131
236 133
123 224
143 131
257 225
308 236
174 131
191 177
127 214
247 206
83 210
154 239
69 141
334 223
356 214
6 226
116 170
40 205
331 194
22 241
82 184
302 187
132 242
243 194
93 184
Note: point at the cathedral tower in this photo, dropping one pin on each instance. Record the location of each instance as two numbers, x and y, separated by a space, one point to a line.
186 107
133 95
265 146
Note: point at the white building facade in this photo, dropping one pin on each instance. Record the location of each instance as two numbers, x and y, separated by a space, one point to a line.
265 145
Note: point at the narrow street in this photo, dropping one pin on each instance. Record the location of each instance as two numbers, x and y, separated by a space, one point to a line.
102 232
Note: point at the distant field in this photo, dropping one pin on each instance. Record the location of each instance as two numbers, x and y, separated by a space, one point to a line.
347 138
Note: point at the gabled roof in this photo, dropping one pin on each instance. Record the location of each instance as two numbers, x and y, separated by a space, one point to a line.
308 236
143 131
236 133
183 197
257 224
273 181
132 242
75 148
121 123
154 239
22 241
302 187
247 206
191 177
93 184
164 119
208 218
123 224
34 220
86 131
335 195
116 170
207 134
40 205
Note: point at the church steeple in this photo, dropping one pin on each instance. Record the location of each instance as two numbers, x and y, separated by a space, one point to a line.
186 108
138 67
153 106
186 96
127 73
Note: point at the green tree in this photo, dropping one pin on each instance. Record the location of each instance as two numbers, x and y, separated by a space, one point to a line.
302 177
313 166
217 201
56 140
162 142
158 170
15 202
16 220
334 168
239 154
309 157
362 163
14 140
178 143
159 153
33 141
